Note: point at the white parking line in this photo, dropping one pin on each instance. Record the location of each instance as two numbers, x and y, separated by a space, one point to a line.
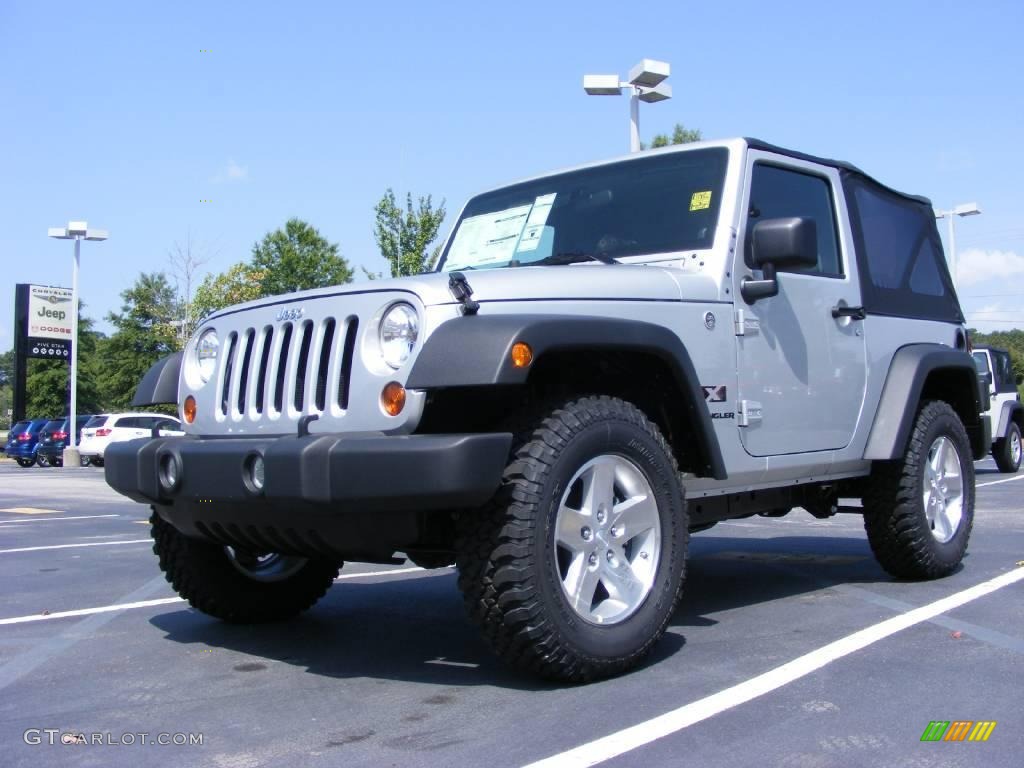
22 521
165 600
997 482
628 739
392 572
90 611
70 546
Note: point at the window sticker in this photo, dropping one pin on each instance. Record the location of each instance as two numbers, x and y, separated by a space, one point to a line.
700 201
535 223
495 238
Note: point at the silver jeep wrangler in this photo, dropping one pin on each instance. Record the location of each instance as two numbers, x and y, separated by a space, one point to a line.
605 360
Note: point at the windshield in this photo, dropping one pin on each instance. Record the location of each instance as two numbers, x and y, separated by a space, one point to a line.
663 203
981 362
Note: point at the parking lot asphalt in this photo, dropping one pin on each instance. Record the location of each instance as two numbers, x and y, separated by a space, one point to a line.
783 653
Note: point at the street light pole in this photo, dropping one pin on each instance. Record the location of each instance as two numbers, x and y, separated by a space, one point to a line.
645 84
72 438
634 122
964 209
77 231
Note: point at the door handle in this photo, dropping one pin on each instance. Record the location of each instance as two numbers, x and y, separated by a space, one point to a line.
855 313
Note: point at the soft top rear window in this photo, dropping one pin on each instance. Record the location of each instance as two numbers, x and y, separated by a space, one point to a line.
899 254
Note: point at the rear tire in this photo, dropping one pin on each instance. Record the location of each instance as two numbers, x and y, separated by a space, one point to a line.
563 580
1007 450
224 584
918 510
26 463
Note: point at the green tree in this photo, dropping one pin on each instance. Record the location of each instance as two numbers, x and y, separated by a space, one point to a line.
143 334
48 381
240 283
403 237
296 258
680 135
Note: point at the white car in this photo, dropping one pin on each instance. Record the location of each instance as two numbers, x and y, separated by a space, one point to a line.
108 428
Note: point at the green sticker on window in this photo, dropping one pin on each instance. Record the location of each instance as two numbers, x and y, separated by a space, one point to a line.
700 201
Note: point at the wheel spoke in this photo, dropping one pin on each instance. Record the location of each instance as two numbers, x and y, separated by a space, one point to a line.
938 459
581 584
634 516
569 530
599 486
620 582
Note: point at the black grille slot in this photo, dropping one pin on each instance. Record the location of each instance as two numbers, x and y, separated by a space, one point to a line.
302 365
243 379
325 361
282 365
261 377
229 361
345 379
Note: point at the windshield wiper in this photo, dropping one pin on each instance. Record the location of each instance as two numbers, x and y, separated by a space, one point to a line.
571 257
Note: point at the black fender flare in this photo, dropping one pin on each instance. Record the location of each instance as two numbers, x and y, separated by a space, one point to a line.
160 384
1011 411
476 351
901 395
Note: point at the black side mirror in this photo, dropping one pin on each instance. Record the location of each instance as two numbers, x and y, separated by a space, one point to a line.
780 243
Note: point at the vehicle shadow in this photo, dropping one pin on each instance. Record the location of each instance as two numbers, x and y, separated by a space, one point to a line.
415 629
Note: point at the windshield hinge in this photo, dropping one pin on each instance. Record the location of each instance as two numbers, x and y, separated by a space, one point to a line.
742 325
749 413
463 294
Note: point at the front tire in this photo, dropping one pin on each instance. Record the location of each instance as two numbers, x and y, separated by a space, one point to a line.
236 586
1007 450
918 511
574 569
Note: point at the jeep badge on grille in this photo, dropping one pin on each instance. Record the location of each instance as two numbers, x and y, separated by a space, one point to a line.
289 313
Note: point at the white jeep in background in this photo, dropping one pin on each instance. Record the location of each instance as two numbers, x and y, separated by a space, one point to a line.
1006 414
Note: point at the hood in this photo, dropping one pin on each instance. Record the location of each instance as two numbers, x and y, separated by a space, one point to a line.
579 281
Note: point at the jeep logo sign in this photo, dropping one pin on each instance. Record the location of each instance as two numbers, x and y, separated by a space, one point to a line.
49 313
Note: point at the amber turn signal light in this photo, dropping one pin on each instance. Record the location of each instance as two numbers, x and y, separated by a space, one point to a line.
189 411
392 398
522 355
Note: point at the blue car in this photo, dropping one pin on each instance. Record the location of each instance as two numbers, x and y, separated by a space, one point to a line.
23 441
54 437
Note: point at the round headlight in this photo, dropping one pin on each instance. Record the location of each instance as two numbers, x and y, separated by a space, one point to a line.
206 354
399 329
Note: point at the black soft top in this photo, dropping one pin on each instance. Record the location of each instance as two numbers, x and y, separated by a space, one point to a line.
840 164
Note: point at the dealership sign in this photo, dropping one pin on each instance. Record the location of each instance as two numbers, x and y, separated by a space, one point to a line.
47 322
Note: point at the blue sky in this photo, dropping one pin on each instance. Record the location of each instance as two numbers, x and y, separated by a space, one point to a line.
110 112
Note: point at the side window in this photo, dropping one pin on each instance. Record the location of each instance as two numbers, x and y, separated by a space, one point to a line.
779 193
128 422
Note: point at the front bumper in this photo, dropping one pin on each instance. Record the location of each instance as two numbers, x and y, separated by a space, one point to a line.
317 489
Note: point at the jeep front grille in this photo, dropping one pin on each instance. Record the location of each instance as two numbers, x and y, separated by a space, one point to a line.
287 369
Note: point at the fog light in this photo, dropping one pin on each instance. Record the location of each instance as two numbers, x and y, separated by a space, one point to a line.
392 398
170 472
189 410
522 355
257 472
